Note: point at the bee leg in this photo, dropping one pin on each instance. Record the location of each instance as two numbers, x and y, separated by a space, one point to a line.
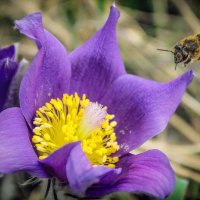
186 62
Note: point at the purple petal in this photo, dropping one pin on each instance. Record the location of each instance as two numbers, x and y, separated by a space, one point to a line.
13 92
142 108
71 165
16 152
49 73
8 52
55 163
81 174
8 69
149 172
97 62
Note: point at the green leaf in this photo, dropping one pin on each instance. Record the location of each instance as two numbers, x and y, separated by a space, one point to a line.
101 5
194 190
180 189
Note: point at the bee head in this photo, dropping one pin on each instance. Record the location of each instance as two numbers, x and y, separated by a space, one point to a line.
180 54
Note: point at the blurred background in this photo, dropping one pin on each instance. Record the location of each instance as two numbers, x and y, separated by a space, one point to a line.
144 26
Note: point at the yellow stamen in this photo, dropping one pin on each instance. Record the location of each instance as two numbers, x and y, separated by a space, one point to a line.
71 119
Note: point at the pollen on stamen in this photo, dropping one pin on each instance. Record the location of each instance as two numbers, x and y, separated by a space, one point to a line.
94 115
71 119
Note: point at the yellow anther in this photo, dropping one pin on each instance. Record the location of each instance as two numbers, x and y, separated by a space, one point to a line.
113 124
71 119
111 165
47 137
42 157
36 139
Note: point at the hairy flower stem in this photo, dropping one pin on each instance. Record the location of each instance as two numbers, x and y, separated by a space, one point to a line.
54 189
48 188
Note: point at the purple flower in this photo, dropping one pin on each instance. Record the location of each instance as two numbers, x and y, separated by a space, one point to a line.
85 114
8 69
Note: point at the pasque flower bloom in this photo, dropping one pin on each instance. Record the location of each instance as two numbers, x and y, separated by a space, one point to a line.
8 69
80 116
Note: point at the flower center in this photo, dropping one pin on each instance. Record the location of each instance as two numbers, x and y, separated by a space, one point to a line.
71 119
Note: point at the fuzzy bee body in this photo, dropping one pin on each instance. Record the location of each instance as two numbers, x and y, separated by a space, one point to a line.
187 50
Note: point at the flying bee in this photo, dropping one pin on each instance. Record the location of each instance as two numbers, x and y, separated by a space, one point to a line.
186 50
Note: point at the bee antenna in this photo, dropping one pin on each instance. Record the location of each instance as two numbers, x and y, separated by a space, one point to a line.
165 50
